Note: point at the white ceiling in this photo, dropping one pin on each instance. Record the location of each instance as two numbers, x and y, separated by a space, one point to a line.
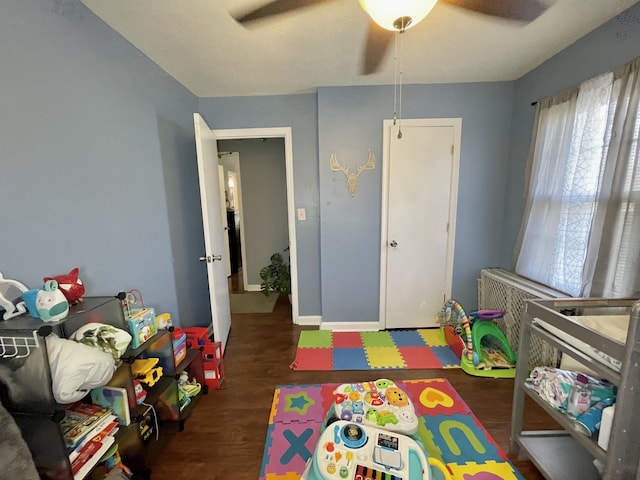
200 44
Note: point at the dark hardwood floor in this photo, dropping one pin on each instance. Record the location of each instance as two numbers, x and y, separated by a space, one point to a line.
224 436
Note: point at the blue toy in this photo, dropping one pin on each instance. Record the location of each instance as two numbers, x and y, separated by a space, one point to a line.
370 431
348 450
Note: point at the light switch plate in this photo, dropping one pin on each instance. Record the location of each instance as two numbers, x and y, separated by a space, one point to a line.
302 214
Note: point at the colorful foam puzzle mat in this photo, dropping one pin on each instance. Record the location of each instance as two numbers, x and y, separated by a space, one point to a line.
400 349
447 428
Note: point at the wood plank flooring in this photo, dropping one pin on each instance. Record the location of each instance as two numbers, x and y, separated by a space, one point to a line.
224 437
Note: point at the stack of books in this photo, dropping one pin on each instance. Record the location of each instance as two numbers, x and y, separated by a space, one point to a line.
88 432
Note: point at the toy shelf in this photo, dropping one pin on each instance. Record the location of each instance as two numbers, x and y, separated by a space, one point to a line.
28 395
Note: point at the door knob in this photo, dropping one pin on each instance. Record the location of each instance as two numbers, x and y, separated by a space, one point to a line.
393 243
203 259
216 257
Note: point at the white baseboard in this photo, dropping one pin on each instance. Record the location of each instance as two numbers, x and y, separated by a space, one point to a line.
310 320
351 326
253 288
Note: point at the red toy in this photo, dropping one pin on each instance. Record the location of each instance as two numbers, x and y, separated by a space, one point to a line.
70 285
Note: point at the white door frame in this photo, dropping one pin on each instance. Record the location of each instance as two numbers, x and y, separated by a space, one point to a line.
284 133
456 123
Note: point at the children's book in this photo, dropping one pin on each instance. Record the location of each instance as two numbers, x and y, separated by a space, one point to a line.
114 398
80 420
108 427
92 459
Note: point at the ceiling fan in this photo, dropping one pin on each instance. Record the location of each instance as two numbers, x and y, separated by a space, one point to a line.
389 17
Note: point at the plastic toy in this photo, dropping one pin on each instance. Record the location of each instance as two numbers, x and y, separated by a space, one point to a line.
51 302
142 325
483 348
351 450
70 285
379 403
146 371
141 393
128 299
11 300
163 321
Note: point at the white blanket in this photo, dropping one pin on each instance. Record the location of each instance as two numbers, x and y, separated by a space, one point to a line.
76 368
612 326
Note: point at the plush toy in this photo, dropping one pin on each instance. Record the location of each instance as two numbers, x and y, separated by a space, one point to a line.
51 302
70 285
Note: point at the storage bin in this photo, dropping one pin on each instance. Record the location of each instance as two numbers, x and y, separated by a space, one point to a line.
212 362
179 346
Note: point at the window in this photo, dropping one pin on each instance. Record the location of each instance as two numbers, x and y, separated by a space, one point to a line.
580 231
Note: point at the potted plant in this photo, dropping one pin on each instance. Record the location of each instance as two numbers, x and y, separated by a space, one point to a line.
276 277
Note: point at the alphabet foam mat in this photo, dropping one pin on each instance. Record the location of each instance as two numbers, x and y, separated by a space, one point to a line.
447 428
401 349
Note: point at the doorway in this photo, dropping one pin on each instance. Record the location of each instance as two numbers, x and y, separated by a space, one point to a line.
229 168
265 134
420 190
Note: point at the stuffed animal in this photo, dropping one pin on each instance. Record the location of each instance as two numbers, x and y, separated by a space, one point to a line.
51 302
70 285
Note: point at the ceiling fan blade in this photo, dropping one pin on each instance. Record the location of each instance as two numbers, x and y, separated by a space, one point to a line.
378 42
523 10
277 7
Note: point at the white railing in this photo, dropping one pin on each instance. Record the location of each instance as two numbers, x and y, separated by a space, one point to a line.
503 290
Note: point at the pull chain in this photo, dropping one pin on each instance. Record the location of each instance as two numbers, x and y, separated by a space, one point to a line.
400 92
395 81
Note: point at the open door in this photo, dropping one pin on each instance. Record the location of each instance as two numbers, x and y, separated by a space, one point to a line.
207 153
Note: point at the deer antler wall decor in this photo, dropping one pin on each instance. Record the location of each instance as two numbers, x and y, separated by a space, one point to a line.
352 178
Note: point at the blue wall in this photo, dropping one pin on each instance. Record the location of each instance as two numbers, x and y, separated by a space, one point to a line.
350 122
338 245
604 49
97 161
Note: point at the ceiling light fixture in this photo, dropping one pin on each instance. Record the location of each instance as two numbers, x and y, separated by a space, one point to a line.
397 15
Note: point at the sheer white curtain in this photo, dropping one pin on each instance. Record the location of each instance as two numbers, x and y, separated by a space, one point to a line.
565 164
581 227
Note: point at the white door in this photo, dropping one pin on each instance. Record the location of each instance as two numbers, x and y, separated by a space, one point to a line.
207 153
420 176
225 223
